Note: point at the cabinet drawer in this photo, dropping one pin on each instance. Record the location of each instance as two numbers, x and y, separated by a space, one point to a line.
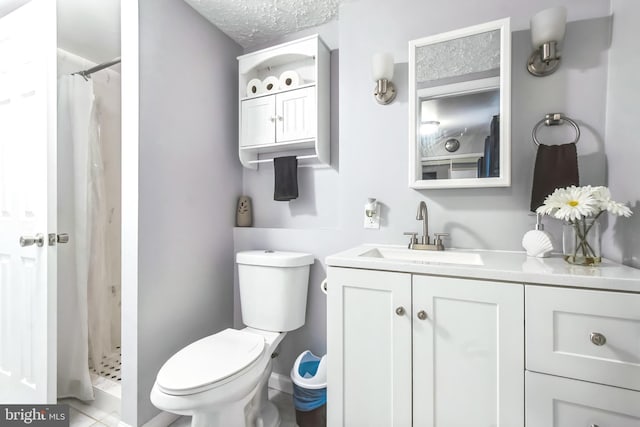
561 328
561 402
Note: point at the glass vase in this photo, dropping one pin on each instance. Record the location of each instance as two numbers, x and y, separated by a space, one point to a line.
581 242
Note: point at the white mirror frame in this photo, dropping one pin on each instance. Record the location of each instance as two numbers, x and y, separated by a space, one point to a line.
504 180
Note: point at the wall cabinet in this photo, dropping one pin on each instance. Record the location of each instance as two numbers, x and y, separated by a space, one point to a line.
423 350
285 120
284 117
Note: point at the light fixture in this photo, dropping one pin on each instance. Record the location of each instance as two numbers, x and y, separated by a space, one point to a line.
429 128
382 70
547 30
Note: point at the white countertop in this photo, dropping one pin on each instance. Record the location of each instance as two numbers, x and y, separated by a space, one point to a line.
505 266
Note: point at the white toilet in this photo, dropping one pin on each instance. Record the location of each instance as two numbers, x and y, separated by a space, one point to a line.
221 380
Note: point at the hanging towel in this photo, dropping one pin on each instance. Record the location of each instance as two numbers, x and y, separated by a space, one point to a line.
285 171
556 167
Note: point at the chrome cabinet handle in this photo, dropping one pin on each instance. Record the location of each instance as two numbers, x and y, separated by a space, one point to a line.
37 240
598 339
422 315
400 311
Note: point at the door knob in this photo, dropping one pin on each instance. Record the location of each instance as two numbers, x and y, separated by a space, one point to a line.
38 240
400 311
422 315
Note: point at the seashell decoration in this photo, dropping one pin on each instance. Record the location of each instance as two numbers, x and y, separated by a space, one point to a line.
537 243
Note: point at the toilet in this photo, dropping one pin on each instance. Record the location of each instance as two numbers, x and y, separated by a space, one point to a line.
221 380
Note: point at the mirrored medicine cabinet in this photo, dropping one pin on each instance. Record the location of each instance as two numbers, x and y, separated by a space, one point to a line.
460 108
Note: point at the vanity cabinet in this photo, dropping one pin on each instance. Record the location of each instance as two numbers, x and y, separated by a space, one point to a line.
285 120
423 350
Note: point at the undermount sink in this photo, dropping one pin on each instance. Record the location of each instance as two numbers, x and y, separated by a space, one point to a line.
418 256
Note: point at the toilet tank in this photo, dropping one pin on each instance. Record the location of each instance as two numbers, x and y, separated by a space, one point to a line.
273 289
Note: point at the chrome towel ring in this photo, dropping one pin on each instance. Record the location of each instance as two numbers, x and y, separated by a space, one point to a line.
555 119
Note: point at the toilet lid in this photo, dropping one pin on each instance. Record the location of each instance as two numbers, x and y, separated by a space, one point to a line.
210 360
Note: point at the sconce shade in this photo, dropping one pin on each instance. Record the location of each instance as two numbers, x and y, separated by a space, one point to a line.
382 66
548 25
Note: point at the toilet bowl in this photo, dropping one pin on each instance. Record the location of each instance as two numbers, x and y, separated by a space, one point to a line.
221 380
217 380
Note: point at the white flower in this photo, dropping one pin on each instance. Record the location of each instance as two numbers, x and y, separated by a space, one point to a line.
618 209
570 204
574 203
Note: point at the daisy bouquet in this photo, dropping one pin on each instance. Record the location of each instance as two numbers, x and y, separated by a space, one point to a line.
580 208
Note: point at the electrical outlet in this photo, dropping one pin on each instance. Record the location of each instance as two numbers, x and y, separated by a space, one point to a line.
374 220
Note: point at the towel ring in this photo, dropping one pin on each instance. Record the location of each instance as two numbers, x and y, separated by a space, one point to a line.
555 119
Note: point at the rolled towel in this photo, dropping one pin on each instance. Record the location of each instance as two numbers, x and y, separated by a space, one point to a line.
270 84
556 167
285 171
254 87
289 79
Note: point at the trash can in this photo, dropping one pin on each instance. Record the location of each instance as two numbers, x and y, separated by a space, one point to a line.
309 377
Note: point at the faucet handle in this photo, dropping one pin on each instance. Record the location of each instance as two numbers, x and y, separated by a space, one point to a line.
438 240
414 238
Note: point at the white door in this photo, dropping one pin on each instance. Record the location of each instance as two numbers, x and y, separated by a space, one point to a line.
27 203
296 114
468 355
258 117
369 348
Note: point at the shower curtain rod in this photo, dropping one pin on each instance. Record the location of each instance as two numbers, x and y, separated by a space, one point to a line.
87 73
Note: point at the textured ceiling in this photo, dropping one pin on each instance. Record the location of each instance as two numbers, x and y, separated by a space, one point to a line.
253 22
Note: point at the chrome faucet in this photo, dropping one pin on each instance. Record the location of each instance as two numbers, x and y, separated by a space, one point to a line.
423 215
424 242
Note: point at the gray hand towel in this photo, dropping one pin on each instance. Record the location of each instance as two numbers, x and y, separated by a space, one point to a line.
285 171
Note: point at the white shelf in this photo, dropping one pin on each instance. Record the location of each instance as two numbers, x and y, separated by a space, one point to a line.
275 92
450 159
279 146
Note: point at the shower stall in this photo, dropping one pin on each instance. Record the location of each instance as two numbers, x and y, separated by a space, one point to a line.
89 210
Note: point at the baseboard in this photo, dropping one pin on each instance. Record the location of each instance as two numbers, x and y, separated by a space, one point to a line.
163 419
281 382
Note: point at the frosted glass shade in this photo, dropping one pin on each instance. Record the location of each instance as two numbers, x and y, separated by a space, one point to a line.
382 66
548 25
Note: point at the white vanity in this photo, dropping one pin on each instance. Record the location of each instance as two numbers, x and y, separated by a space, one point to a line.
480 338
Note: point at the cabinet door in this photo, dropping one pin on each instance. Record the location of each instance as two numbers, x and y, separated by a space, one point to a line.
369 348
468 355
561 402
296 115
258 121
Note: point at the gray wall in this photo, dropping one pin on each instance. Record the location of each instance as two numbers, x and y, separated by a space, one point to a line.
189 179
621 241
372 147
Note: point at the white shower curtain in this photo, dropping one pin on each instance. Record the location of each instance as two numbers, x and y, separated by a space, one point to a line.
84 282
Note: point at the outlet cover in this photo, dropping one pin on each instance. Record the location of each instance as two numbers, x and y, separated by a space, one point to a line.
373 221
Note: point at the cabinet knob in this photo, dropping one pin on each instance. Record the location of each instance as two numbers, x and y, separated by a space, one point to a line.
422 315
400 311
280 118
272 118
598 339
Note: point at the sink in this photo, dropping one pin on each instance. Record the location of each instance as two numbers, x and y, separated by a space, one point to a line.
417 256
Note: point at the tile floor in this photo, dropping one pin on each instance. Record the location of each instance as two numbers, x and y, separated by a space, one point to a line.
87 416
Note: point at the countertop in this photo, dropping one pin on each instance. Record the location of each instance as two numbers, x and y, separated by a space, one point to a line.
506 266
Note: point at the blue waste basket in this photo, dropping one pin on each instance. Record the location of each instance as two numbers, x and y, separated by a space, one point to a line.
309 377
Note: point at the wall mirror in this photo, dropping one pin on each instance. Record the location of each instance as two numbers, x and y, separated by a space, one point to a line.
460 108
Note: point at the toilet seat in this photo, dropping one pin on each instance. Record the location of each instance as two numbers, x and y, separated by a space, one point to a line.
210 362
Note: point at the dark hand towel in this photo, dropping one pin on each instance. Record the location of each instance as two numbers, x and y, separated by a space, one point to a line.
556 167
285 171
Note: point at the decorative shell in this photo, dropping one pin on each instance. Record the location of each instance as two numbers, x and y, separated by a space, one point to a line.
537 243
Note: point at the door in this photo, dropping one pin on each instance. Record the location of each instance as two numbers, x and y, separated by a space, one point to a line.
258 121
369 348
27 203
296 114
468 353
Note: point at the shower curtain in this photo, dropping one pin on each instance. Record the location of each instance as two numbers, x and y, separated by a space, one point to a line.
84 279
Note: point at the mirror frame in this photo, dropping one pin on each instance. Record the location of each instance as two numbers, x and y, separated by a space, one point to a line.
504 180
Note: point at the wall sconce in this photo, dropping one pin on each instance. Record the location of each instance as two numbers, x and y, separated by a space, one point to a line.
382 70
547 30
